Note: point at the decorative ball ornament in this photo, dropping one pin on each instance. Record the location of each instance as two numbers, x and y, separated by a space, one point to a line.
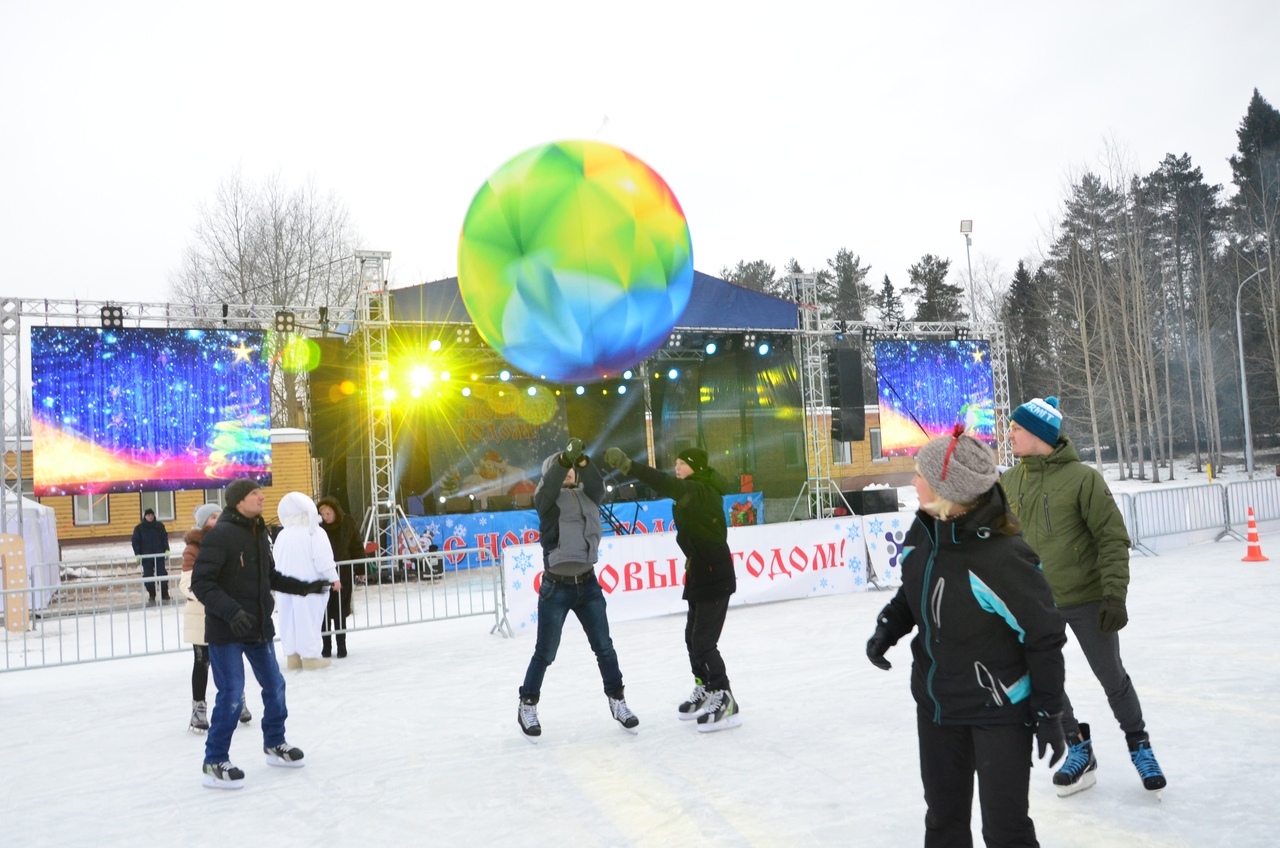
575 261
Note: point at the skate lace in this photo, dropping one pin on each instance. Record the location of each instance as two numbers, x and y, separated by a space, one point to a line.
1077 757
698 695
714 701
620 709
1145 762
529 714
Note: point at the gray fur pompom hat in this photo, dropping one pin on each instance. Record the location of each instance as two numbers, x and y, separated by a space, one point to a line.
958 467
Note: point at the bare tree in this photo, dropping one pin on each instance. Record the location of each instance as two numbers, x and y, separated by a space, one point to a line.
271 244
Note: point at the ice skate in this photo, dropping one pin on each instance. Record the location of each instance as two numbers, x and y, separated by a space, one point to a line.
693 706
223 776
245 715
528 718
199 717
623 715
1077 771
1145 762
720 712
284 755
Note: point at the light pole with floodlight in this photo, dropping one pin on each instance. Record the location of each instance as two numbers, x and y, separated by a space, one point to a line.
1244 382
966 227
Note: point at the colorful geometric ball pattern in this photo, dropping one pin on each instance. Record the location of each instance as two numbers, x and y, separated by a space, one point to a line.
575 261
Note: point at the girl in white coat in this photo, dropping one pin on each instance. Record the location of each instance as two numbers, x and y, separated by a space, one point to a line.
302 550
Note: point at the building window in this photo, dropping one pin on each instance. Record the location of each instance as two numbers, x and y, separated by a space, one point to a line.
213 496
90 509
793 449
161 502
842 453
877 455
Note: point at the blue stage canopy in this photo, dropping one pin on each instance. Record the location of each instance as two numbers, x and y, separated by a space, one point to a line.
714 304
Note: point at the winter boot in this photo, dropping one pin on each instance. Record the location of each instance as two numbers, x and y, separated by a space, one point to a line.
719 712
316 662
692 708
342 645
1077 772
293 661
622 713
528 718
199 717
245 715
1145 761
327 649
222 776
284 755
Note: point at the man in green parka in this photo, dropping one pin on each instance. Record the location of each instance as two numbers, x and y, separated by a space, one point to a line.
1070 519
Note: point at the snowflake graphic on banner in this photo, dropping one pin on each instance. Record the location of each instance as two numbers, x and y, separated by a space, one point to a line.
896 523
433 529
483 521
875 526
522 562
516 585
855 532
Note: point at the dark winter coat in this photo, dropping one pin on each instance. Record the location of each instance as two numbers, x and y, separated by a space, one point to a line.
344 537
989 646
701 531
568 519
1070 519
150 537
234 571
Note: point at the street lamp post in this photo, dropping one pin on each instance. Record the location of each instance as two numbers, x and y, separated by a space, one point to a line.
1244 382
966 227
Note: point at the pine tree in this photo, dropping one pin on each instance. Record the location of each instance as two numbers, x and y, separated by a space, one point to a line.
1028 338
850 296
936 299
889 303
758 275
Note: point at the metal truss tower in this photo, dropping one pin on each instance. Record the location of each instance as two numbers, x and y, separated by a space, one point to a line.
820 488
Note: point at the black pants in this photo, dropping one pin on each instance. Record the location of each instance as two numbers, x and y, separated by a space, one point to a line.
335 622
1001 756
701 636
199 672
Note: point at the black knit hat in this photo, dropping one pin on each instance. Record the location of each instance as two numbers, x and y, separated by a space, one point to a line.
238 490
695 458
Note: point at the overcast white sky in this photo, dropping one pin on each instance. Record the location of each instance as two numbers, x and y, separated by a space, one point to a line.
789 129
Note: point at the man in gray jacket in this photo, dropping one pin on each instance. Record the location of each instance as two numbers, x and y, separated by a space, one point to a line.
567 500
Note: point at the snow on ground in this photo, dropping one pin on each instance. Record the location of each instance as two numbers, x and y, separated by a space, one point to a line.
413 738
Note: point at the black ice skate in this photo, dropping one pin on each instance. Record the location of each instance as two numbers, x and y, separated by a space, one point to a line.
1077 772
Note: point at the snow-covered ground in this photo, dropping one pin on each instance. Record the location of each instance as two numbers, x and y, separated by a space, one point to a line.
413 738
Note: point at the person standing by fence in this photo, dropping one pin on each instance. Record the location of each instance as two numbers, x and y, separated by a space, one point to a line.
151 546
1071 520
344 538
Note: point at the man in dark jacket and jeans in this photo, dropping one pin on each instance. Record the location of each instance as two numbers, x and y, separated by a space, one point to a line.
233 577
151 544
702 534
1070 519
567 500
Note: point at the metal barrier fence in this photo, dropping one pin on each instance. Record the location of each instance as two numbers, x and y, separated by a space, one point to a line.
1262 495
100 610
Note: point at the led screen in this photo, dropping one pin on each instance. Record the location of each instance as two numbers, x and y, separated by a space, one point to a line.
141 409
926 387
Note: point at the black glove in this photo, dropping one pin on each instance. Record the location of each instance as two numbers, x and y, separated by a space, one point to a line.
1112 616
1049 735
876 647
318 587
617 459
572 454
243 625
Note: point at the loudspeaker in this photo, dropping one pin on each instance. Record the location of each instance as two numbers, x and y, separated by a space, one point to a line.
871 501
844 393
453 505
501 503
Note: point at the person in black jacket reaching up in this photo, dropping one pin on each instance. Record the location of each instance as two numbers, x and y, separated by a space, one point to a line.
233 577
987 668
702 534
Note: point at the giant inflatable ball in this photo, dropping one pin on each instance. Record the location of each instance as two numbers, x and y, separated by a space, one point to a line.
575 261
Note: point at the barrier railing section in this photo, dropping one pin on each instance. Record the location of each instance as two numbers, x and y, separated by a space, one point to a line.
1262 495
89 618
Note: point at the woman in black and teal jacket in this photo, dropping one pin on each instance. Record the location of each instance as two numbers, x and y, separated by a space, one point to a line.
987 669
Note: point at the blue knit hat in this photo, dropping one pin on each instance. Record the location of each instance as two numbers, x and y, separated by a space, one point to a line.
1040 417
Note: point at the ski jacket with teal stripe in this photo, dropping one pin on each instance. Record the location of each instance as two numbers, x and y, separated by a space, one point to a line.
989 644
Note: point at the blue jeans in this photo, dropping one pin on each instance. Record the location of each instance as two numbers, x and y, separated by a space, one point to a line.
227 664
586 600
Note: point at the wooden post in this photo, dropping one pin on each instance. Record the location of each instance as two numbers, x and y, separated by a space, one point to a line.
13 565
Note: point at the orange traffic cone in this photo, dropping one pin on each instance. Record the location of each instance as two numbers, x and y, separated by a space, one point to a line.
1255 548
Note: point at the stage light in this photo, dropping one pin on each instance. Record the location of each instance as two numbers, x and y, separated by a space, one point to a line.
673 374
609 487
420 377
324 314
389 394
868 334
286 322
622 390
113 317
442 499
604 391
841 328
675 340
434 346
463 335
347 387
416 391
962 333
504 375
533 390
579 390
466 391
627 375
445 375
763 349
710 348
749 339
